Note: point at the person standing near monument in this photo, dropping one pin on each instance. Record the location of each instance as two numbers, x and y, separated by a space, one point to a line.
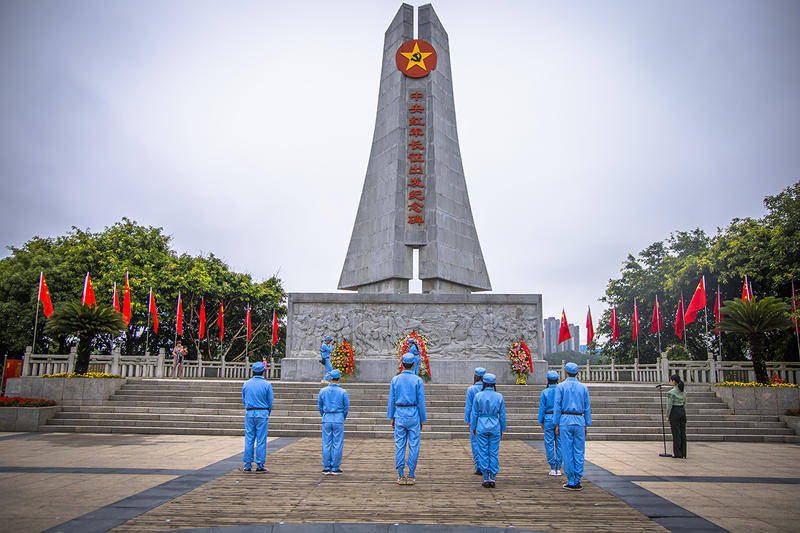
676 416
257 398
487 423
333 404
572 416
178 353
415 352
406 410
475 388
325 358
552 442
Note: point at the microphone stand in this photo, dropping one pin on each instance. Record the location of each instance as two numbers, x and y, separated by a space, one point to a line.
663 428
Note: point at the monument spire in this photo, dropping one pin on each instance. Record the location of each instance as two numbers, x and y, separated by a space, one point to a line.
415 193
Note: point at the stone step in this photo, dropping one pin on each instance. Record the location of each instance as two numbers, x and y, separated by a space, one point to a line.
388 434
360 418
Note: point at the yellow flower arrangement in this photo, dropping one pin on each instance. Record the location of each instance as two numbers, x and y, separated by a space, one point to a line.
104 375
752 384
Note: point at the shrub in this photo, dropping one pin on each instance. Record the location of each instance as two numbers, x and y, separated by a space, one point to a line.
86 375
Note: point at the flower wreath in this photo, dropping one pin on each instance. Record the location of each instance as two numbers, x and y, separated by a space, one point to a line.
343 358
520 359
403 345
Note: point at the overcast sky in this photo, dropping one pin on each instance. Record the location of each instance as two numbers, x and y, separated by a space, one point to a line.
588 129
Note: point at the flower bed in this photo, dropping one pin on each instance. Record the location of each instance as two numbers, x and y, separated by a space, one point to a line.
17 401
94 375
86 390
754 384
758 398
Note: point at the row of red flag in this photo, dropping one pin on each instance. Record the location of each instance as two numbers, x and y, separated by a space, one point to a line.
682 318
88 298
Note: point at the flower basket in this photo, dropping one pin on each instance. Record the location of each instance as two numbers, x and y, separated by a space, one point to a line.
519 356
403 345
343 358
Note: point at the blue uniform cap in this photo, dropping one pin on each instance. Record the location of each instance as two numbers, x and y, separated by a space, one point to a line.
328 338
571 368
480 371
335 373
489 379
258 367
552 374
408 359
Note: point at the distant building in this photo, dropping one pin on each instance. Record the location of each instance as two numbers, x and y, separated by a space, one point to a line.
552 326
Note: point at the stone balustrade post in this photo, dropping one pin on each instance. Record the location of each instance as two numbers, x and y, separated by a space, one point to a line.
222 369
200 373
26 361
73 352
712 370
664 368
160 363
613 370
563 372
636 376
115 356
588 371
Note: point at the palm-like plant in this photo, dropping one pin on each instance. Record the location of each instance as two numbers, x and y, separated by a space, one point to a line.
753 319
86 323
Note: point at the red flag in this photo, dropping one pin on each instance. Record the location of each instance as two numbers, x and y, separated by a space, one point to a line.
656 323
44 296
202 331
151 308
679 325
635 321
747 292
563 333
88 292
126 302
179 317
115 299
274 328
247 322
589 327
614 325
698 302
221 321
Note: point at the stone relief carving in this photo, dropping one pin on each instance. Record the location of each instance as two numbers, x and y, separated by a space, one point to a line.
454 331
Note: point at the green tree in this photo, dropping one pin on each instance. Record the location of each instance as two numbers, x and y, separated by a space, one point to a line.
86 323
765 249
143 252
754 320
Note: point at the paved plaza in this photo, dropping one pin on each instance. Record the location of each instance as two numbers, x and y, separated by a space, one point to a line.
90 482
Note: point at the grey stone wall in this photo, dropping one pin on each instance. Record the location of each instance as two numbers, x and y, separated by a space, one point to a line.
463 330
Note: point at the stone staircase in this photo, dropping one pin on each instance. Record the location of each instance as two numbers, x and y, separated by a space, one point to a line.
208 407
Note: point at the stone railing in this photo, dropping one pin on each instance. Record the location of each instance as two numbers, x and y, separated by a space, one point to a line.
708 371
142 366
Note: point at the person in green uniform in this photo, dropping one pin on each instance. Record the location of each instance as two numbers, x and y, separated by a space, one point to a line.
676 416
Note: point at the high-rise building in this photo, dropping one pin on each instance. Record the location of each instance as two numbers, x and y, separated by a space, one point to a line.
552 327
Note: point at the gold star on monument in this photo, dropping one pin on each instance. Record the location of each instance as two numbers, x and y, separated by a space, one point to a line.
415 57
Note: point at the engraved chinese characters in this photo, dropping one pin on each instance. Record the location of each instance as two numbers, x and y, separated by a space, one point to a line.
416 157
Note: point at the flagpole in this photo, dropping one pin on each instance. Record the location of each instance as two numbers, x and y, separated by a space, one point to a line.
147 338
794 305
36 320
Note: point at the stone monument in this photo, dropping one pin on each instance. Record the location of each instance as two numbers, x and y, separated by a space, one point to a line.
414 198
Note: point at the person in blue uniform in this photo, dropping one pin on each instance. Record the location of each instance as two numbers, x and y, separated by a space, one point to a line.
487 423
413 350
333 404
475 388
552 442
257 398
325 358
406 410
572 415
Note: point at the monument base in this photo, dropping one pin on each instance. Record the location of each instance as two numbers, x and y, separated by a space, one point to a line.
463 331
382 370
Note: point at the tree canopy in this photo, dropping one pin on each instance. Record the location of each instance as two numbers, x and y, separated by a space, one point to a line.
145 253
766 249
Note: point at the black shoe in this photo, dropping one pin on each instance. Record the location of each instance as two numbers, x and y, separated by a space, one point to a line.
261 470
478 473
336 472
578 487
491 484
247 469
326 472
487 484
570 487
